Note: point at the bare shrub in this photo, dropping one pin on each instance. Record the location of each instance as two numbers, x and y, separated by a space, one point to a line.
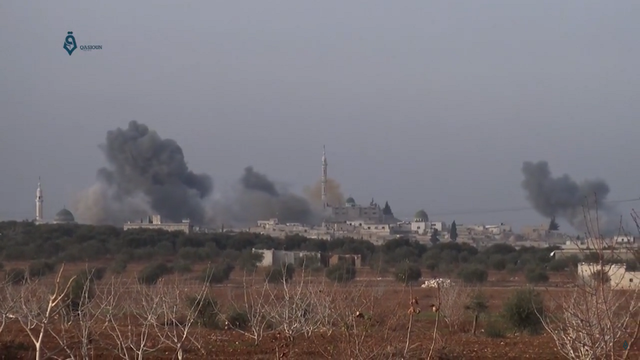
592 319
131 311
179 311
37 308
453 300
252 305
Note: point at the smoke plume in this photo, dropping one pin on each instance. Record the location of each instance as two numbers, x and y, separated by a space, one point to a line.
255 197
145 174
334 194
564 198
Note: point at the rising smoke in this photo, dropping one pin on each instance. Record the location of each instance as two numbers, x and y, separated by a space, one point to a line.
334 194
145 174
564 198
256 197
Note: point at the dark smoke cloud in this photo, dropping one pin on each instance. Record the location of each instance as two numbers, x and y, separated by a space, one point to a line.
256 197
252 180
564 198
145 173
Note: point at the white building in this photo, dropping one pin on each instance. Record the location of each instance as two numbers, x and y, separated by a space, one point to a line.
277 257
155 222
618 276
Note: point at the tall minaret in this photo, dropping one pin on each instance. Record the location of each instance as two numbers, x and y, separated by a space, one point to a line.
39 202
324 178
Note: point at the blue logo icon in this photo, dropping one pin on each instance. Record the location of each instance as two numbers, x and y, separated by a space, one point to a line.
625 345
70 43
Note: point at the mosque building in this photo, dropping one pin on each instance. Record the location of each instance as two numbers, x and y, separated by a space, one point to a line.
63 216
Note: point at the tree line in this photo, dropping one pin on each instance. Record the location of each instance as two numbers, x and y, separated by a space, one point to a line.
59 243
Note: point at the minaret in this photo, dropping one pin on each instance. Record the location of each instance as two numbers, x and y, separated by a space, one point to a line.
324 178
39 202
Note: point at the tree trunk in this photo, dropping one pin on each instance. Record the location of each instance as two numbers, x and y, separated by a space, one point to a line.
475 322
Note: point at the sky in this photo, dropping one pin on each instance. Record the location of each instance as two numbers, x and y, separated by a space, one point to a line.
429 105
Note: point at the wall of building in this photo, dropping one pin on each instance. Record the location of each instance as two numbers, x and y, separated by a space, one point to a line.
619 277
277 257
185 227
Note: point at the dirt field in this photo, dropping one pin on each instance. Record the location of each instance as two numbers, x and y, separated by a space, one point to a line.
387 330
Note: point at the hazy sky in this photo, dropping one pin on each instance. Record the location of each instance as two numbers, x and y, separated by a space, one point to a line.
426 104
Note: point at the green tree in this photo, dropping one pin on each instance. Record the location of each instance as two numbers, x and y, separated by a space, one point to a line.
408 273
434 237
249 260
523 310
473 274
536 276
278 274
387 209
341 272
217 274
151 273
453 231
477 306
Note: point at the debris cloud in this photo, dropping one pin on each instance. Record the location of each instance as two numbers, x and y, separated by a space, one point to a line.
562 197
145 173
334 194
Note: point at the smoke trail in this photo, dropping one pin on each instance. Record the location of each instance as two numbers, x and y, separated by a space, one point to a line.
256 197
334 194
144 172
564 198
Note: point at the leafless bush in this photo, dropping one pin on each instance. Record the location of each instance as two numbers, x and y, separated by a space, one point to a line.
178 316
289 307
252 305
453 300
8 303
591 320
131 312
38 307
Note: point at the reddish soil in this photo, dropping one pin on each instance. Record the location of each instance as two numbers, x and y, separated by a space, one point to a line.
384 335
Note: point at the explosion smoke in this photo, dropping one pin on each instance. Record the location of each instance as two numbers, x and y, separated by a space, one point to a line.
145 174
564 198
334 194
256 197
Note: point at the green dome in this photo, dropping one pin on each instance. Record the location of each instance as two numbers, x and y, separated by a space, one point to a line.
421 215
350 201
64 216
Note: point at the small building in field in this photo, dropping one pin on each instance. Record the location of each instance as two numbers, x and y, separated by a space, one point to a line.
616 275
277 257
354 260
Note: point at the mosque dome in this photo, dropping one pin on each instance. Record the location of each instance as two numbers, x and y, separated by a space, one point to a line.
64 216
350 201
421 215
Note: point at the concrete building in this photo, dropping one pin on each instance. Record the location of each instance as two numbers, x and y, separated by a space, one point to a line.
581 253
355 260
351 211
155 222
277 257
618 276
274 228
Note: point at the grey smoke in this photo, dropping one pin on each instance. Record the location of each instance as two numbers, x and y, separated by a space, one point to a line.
256 197
145 173
252 180
564 198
